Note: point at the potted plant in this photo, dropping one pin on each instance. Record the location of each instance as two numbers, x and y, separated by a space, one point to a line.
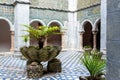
37 54
95 66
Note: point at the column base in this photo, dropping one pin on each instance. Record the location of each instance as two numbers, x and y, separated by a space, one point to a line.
17 53
12 50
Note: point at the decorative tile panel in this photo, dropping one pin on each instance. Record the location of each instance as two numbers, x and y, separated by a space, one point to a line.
54 4
48 15
7 11
91 13
87 3
7 1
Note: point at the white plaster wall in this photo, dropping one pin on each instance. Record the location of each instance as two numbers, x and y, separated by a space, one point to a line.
72 5
21 12
65 36
103 25
72 25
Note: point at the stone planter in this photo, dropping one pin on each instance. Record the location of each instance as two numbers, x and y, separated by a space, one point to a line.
41 55
34 70
90 78
54 65
35 56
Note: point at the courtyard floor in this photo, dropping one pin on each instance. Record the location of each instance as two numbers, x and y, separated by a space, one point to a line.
14 68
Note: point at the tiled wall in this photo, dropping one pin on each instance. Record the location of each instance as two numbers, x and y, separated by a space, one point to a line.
7 11
47 15
55 4
7 1
91 13
87 3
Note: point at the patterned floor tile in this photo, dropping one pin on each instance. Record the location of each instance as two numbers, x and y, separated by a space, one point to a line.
13 68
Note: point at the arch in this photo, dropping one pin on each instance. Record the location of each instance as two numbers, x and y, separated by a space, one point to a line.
35 23
97 28
84 22
40 21
96 24
61 25
5 41
87 36
55 39
9 22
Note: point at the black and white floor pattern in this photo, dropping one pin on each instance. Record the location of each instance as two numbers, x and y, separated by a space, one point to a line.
12 68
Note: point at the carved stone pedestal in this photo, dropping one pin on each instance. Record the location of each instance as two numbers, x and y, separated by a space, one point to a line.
34 70
54 66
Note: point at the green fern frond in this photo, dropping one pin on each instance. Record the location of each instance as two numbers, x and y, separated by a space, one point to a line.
94 65
25 38
42 31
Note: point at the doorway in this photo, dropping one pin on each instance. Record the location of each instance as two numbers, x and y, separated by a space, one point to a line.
88 36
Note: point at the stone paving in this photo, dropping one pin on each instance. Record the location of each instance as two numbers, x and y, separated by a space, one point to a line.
13 68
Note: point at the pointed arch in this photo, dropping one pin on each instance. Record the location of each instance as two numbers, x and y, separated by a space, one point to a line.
96 24
84 22
97 28
87 36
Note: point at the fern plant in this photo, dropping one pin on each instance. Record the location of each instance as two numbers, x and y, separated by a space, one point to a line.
25 38
94 65
41 33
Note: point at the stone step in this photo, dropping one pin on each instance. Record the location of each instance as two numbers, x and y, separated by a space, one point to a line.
6 54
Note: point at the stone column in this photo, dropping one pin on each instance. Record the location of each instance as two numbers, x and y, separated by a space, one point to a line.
21 16
63 38
72 24
81 40
103 26
94 40
45 43
65 35
12 42
113 40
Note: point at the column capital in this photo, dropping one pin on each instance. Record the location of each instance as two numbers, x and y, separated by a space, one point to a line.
94 32
81 32
12 32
